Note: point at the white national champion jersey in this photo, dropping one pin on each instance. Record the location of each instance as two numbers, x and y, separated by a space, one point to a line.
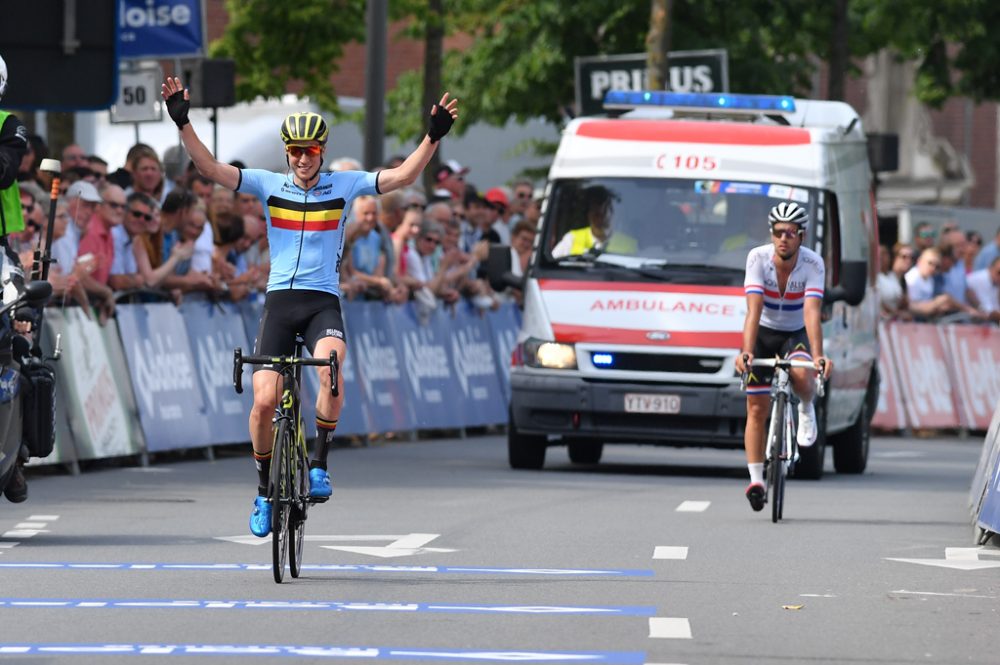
783 311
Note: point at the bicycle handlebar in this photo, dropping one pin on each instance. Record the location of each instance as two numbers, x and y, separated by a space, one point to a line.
787 363
284 361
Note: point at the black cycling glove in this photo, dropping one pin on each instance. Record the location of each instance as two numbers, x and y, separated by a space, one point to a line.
177 108
441 122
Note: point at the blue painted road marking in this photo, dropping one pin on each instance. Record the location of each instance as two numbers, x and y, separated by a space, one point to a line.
275 651
339 568
333 606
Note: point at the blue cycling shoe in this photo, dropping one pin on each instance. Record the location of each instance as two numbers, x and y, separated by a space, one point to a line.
260 518
319 483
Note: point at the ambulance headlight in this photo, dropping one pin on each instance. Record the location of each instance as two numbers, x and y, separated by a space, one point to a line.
550 355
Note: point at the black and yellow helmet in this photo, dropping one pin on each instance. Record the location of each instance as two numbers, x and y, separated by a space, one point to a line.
303 127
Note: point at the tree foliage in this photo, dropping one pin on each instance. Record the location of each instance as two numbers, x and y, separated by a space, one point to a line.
278 44
954 42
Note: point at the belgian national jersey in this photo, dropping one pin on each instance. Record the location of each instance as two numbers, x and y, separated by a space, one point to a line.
305 228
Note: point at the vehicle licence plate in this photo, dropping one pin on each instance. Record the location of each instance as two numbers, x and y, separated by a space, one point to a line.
640 403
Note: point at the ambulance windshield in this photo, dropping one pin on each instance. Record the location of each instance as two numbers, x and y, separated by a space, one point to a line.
646 222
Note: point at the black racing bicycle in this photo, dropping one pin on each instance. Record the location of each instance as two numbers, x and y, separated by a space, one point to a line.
782 450
288 486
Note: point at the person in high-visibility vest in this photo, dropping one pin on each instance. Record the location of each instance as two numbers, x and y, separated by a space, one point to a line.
598 234
13 146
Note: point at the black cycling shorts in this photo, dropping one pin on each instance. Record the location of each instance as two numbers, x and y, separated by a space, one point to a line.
290 312
771 343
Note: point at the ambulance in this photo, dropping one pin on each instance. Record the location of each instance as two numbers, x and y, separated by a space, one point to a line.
633 297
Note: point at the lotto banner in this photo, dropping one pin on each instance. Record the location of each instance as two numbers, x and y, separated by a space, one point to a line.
926 385
172 409
251 313
380 368
889 414
427 366
354 416
504 323
482 398
214 330
973 354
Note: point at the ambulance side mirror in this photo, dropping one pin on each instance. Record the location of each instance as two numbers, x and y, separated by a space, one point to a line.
853 280
498 265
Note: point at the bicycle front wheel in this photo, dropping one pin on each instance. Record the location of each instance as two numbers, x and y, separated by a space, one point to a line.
281 497
776 465
297 518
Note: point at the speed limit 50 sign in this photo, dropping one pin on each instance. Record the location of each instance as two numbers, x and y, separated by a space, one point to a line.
138 97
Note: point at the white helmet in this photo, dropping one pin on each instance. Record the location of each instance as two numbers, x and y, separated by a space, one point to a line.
3 77
788 211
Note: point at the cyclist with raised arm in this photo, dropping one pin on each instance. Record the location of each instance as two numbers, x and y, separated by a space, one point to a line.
306 210
784 288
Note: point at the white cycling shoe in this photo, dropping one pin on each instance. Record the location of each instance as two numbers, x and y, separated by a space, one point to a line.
807 431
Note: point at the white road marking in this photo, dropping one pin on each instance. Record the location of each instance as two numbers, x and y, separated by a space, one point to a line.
670 552
33 526
399 545
670 628
693 506
405 546
21 533
957 558
934 593
899 454
817 595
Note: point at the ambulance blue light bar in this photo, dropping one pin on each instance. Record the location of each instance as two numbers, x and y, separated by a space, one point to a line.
603 359
707 101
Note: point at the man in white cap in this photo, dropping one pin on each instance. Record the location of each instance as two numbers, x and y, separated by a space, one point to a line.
83 198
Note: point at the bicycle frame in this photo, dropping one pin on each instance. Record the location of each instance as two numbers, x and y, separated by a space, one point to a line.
288 490
781 447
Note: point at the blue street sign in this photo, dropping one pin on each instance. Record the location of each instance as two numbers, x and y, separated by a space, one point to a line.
160 28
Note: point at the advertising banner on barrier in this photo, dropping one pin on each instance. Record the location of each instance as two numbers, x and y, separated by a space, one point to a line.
889 414
988 478
171 407
986 468
974 357
504 323
64 451
427 367
251 311
380 368
89 391
925 382
476 368
354 417
214 330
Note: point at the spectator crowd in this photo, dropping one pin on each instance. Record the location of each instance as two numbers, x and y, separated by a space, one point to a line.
945 275
147 232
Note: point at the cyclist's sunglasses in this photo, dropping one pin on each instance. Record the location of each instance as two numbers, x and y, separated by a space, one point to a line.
296 151
785 233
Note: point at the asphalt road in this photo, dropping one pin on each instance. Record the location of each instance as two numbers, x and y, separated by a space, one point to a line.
447 555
